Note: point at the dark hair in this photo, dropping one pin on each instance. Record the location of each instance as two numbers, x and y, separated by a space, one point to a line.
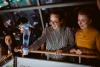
5 47
59 13
22 20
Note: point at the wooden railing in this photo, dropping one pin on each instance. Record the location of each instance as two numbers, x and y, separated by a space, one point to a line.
54 53
69 54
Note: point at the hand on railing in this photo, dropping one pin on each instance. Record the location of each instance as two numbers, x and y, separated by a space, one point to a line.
73 51
60 52
76 51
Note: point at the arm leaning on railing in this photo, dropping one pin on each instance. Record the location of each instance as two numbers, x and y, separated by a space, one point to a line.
65 54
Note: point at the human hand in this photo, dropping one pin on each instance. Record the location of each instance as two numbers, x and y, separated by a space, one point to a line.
73 51
17 50
78 51
59 52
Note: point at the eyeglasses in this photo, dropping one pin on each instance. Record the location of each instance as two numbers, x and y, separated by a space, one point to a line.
53 22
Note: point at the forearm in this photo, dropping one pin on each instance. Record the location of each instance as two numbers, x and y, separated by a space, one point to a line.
37 44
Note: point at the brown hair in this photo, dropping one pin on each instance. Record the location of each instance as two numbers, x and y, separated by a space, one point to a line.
86 12
61 15
5 47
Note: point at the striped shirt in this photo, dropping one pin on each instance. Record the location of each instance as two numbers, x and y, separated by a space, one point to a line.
59 39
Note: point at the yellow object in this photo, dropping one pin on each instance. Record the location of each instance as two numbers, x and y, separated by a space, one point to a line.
88 38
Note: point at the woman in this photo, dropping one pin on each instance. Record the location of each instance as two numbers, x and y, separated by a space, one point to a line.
57 37
8 44
86 37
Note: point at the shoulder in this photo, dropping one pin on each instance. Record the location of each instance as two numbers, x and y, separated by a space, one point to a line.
90 31
95 31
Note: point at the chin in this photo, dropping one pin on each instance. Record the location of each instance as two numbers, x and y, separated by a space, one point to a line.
54 28
83 28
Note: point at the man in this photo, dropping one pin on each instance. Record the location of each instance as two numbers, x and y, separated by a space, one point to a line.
57 37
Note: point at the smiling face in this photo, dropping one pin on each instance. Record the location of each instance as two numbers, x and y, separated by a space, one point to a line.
83 21
55 22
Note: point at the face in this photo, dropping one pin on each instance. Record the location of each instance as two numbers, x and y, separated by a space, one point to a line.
54 21
8 40
21 29
83 21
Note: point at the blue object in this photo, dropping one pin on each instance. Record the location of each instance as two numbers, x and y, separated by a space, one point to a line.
26 37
